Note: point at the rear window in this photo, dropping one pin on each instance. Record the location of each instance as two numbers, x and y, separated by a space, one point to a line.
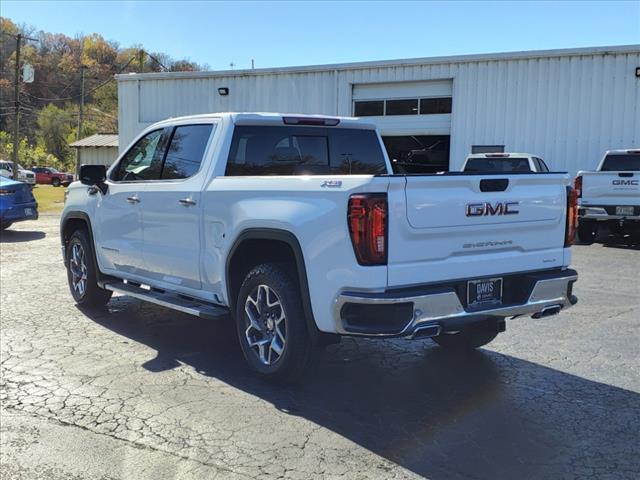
621 162
267 150
511 164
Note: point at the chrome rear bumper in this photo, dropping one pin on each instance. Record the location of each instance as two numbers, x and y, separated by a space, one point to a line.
547 297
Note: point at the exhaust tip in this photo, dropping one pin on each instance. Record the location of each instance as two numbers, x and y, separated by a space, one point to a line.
548 311
426 331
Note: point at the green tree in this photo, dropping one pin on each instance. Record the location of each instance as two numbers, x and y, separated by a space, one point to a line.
54 127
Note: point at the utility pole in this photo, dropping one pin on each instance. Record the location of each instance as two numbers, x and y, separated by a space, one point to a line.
80 117
16 116
16 96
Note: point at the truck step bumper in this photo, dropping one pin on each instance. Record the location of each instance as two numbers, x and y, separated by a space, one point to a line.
440 308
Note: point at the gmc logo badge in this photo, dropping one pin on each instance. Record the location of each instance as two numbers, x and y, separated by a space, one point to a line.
487 209
633 183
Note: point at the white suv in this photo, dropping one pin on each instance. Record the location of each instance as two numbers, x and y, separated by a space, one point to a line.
24 175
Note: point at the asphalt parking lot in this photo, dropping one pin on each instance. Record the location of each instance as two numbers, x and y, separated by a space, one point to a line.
140 391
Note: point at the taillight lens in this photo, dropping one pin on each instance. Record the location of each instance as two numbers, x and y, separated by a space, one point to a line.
577 184
6 191
367 219
572 217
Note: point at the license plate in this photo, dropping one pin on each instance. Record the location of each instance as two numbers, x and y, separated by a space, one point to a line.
28 212
484 292
624 210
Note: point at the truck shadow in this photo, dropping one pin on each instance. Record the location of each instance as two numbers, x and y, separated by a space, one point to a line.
18 236
480 415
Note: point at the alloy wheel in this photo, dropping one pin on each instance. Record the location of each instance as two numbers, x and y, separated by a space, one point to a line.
266 331
78 267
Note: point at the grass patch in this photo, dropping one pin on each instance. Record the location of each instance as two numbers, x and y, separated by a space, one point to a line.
50 199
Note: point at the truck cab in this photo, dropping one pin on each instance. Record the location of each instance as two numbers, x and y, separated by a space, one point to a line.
504 162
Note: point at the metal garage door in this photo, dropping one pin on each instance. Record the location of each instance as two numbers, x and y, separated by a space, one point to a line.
414 119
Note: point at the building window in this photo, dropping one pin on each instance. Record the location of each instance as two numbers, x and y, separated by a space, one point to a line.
487 149
402 107
431 106
369 109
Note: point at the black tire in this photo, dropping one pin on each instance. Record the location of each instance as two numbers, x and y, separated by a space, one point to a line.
55 182
4 226
295 350
91 296
587 231
474 336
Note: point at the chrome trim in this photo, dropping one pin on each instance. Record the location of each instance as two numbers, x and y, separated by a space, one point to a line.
435 307
599 213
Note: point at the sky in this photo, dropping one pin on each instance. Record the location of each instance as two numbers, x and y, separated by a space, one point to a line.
291 33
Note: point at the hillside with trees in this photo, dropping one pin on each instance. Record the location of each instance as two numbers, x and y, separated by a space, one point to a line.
49 107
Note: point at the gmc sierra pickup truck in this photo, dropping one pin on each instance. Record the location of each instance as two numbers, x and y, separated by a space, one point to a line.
610 196
296 228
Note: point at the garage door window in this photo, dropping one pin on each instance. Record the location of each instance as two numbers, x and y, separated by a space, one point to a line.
407 106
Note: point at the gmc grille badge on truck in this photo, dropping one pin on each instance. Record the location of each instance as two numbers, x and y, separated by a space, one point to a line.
489 209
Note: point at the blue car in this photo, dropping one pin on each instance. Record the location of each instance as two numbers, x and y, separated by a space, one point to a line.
16 202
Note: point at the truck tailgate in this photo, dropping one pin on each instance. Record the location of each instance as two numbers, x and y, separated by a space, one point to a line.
445 227
610 188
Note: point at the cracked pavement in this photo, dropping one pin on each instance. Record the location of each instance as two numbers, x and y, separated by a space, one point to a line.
140 391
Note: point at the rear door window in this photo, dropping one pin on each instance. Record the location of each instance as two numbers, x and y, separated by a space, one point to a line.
621 162
269 150
186 150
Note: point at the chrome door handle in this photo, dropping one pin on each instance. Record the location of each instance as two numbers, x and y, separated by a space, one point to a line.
187 202
134 199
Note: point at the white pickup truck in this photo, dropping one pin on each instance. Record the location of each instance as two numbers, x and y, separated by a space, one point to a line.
297 228
610 196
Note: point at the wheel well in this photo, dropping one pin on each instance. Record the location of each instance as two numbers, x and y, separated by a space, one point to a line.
252 252
71 226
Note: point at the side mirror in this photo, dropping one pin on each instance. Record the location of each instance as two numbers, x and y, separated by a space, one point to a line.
93 174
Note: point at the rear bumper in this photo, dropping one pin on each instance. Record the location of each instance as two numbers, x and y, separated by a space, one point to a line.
396 313
605 213
16 213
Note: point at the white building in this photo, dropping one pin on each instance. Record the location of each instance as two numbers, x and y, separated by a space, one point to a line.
567 106
98 149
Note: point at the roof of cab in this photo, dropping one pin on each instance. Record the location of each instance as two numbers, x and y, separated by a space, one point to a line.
499 155
267 118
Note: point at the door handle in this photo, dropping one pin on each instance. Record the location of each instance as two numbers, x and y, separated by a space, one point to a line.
187 202
133 199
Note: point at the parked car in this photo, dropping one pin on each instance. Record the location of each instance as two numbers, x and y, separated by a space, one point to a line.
610 196
16 202
504 162
24 175
51 176
297 228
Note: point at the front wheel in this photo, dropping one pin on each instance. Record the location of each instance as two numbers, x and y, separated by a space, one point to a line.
271 323
82 273
474 336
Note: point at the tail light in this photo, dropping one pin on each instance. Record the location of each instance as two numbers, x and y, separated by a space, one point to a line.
6 191
577 184
367 219
572 217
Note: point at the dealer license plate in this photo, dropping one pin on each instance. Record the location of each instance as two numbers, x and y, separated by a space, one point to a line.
484 292
28 212
624 210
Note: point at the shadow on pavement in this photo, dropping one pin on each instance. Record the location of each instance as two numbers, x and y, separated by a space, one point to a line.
481 415
17 236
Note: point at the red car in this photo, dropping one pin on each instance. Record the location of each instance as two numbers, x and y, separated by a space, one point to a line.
51 176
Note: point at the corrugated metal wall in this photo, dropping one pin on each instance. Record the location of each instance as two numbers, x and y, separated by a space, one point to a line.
98 156
569 109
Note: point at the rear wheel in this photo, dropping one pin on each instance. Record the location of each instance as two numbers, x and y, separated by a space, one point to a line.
473 336
587 231
271 324
55 182
82 272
